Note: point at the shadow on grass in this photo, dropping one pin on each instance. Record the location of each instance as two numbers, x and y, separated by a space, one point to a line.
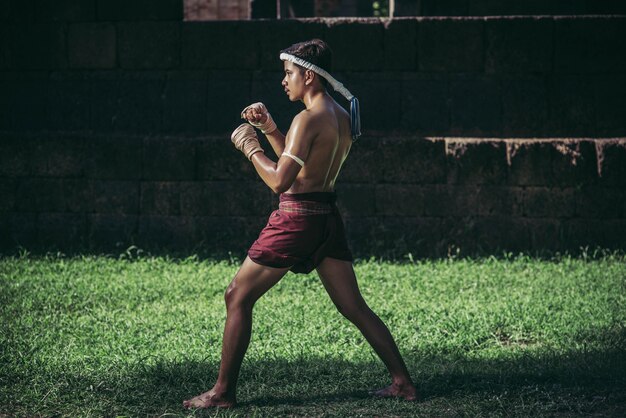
524 383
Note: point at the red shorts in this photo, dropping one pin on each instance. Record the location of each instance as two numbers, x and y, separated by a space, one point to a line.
304 230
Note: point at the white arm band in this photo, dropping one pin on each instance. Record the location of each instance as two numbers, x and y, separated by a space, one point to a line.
293 157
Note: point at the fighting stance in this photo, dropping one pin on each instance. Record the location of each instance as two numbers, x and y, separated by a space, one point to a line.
306 232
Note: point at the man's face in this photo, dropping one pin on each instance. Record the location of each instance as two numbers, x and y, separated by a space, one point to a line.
293 82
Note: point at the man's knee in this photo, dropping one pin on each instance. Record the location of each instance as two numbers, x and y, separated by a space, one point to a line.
236 297
353 311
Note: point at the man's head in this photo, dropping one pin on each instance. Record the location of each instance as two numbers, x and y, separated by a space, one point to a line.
316 52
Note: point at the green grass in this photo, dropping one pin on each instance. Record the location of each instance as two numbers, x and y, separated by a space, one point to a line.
515 336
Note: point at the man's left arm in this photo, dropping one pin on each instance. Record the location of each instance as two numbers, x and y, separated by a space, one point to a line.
280 176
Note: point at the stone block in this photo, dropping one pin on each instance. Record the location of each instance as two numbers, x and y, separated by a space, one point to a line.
117 197
394 236
8 191
399 200
272 36
60 156
17 10
148 45
412 160
424 105
444 7
546 202
218 159
15 155
495 234
530 163
112 231
476 162
358 45
572 101
23 101
457 236
356 200
591 233
590 45
168 159
68 102
160 198
445 201
524 107
518 45
166 233
450 45
62 231
364 163
91 45
574 163
40 195
500 201
377 93
610 105
526 7
34 46
229 92
37 157
545 234
127 102
78 195
605 7
18 229
121 10
227 235
199 50
66 10
601 202
115 158
224 198
185 102
401 45
612 162
476 106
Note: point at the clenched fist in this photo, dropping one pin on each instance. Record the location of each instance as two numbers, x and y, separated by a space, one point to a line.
258 116
245 140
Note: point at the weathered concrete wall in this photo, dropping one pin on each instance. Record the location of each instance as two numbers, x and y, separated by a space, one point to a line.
398 194
114 122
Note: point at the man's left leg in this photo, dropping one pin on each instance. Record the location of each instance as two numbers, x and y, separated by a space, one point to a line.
250 283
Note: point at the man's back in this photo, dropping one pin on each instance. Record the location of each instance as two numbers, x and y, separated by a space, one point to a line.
331 126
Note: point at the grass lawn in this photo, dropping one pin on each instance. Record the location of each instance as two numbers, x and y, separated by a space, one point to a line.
515 336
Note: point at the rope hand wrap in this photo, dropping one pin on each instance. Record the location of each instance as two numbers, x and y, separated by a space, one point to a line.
355 111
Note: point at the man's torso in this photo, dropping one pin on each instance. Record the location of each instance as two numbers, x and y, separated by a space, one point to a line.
329 148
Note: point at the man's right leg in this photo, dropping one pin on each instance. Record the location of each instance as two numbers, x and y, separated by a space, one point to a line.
250 283
340 282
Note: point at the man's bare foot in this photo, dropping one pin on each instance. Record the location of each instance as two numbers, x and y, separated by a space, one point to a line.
209 399
407 392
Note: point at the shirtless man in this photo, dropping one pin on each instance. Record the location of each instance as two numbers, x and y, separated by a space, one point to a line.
306 232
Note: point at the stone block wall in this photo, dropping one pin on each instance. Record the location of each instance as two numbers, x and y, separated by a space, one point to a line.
398 194
497 77
115 115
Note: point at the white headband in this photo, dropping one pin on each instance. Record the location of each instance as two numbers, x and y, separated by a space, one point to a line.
355 114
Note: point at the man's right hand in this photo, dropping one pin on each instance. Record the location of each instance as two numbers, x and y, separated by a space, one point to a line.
259 117
245 140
